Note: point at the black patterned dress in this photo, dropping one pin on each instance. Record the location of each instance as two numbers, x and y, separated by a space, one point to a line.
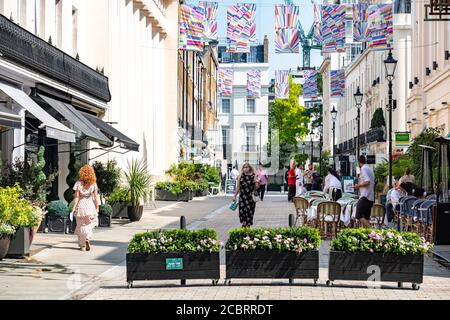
246 203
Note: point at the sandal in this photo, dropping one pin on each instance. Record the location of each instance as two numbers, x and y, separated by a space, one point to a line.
88 246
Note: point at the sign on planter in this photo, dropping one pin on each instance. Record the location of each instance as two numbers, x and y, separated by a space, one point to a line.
349 183
174 264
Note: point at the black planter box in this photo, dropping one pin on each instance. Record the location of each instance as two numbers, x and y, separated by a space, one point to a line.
358 266
201 193
19 246
120 210
43 225
162 195
196 265
104 221
272 264
58 225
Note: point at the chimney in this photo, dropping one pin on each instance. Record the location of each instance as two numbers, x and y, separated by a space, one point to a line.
266 49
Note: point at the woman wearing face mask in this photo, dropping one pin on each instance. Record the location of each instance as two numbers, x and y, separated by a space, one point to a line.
247 183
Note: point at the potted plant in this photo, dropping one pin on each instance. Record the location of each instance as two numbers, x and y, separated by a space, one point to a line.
104 216
6 233
58 217
201 188
174 254
108 177
398 256
119 200
284 253
138 187
171 191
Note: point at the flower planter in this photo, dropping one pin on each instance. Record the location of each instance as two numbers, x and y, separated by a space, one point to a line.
135 213
58 225
260 264
120 210
19 246
154 266
163 195
359 266
4 246
201 193
104 221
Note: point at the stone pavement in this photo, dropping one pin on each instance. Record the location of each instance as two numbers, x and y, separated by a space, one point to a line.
58 270
274 211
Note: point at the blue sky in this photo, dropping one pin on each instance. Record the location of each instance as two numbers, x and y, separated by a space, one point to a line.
265 26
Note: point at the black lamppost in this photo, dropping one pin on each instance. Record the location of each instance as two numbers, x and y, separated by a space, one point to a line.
334 114
358 101
311 134
390 64
320 127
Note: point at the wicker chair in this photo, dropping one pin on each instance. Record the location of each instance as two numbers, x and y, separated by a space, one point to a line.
328 217
301 207
377 216
354 222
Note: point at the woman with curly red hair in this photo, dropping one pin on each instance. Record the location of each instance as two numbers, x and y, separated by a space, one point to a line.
86 206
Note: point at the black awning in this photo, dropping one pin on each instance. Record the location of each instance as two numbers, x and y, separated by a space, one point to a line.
123 140
9 118
76 118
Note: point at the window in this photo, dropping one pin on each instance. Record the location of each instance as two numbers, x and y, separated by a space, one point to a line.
250 136
226 106
225 135
251 106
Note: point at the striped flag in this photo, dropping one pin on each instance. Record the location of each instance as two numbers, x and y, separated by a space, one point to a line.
211 11
225 82
333 28
254 84
310 90
287 31
282 84
337 83
191 28
241 28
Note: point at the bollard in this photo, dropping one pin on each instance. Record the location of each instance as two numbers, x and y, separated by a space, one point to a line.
183 227
291 220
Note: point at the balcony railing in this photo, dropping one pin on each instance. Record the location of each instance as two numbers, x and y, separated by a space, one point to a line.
374 135
24 48
250 148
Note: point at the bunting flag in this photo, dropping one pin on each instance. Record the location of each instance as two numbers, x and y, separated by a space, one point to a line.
317 35
287 31
254 84
282 84
380 26
310 90
211 11
337 83
333 28
241 28
360 17
225 82
192 26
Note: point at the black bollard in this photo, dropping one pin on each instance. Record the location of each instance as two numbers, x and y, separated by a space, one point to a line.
291 220
183 227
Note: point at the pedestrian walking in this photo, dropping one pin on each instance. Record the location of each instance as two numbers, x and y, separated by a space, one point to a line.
299 181
333 184
247 183
316 182
86 206
365 185
308 177
263 178
292 181
234 174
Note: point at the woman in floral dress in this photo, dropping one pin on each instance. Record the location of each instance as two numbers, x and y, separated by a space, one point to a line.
247 183
86 206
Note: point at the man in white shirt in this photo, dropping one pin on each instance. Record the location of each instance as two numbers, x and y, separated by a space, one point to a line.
299 184
234 174
366 186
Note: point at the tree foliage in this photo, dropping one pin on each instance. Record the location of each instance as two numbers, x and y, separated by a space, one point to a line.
378 119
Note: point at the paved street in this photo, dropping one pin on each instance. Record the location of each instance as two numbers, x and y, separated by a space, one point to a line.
100 274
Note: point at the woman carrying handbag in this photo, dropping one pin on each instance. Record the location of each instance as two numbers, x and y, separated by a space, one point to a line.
247 184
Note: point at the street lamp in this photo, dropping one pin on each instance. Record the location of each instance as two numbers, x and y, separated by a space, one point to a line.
320 127
390 64
358 100
311 134
334 114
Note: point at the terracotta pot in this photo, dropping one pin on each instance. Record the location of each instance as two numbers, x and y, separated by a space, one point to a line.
4 246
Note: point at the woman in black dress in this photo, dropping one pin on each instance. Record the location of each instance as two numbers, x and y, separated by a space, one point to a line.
246 184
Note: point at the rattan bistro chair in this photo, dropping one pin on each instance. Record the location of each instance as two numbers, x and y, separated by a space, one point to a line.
301 207
328 217
377 216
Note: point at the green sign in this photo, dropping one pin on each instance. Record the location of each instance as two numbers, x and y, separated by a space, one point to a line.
402 139
174 264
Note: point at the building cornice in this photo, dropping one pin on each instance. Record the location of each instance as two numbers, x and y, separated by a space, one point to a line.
325 63
437 79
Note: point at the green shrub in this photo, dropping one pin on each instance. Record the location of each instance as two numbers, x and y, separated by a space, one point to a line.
172 187
105 210
298 240
6 230
204 240
119 195
16 211
59 209
382 241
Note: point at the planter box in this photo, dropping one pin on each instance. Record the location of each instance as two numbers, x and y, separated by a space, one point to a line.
58 225
358 266
201 193
272 264
104 221
162 195
120 210
72 225
43 225
196 265
19 246
4 246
